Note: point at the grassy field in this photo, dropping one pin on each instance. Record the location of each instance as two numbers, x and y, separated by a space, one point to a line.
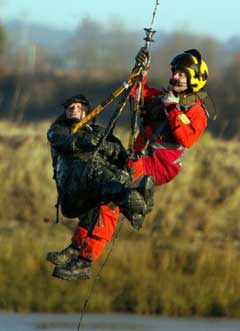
185 260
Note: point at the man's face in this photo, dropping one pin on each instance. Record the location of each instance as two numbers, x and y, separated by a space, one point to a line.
76 110
180 79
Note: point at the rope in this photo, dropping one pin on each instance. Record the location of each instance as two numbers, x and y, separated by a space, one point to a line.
154 12
139 92
97 276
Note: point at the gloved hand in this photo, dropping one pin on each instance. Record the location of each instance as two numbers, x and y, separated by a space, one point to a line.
86 140
107 149
95 138
143 57
114 153
170 98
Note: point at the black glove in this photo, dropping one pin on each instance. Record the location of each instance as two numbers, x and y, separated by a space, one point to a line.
95 138
143 57
114 153
87 140
107 149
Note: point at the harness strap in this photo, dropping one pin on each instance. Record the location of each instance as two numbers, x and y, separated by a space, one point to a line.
98 109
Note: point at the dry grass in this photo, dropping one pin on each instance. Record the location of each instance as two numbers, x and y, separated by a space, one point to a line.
185 261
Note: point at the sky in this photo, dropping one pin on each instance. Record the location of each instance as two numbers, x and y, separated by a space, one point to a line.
219 19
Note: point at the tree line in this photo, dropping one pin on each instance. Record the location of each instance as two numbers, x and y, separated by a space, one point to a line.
96 58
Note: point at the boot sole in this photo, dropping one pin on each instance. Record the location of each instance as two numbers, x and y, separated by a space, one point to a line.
56 273
53 261
57 263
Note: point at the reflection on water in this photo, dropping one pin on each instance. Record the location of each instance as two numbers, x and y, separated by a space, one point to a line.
115 322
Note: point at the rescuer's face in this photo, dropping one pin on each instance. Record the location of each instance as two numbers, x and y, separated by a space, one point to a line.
180 81
76 110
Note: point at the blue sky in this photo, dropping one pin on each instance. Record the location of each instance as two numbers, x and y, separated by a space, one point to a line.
208 17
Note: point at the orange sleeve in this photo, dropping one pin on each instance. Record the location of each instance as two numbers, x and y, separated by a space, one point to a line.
188 129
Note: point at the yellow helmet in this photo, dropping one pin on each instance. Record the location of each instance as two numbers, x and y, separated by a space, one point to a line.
194 67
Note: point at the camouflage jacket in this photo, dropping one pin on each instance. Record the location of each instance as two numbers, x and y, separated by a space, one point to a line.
70 150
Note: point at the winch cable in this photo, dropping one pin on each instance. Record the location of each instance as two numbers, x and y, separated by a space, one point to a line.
155 12
135 104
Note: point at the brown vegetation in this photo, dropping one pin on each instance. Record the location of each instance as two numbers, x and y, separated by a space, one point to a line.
185 260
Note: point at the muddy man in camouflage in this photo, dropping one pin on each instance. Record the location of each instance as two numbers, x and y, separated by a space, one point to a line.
93 187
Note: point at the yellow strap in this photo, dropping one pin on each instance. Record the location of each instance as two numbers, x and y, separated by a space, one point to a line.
136 103
184 119
98 109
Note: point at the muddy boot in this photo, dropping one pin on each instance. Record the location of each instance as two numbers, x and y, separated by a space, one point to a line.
136 220
78 268
64 256
134 208
138 202
146 186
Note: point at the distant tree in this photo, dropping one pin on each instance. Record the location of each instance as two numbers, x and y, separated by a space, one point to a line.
3 39
228 100
85 45
120 47
34 59
96 47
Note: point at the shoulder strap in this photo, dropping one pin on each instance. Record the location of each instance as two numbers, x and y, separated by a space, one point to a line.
186 100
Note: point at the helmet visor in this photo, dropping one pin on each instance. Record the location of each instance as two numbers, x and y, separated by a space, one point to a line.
184 61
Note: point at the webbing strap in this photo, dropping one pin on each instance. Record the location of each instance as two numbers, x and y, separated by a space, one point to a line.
98 109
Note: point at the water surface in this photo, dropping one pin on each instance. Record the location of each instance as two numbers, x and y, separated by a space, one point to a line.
114 322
